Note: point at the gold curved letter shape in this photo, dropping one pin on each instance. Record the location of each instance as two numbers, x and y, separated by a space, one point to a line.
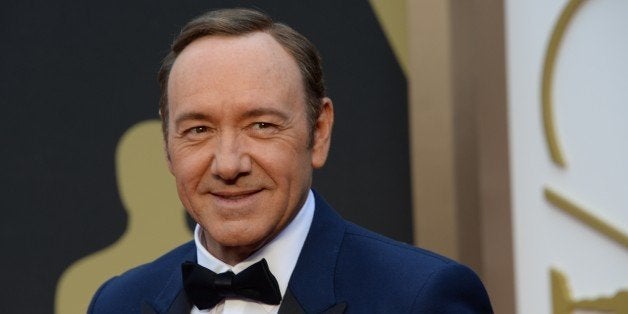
548 76
562 302
576 211
156 221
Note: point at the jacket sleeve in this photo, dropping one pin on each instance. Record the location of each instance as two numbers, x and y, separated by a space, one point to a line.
454 288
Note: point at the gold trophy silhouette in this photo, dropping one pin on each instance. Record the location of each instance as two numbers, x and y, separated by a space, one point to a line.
156 218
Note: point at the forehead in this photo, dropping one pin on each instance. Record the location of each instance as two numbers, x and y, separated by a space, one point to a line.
234 65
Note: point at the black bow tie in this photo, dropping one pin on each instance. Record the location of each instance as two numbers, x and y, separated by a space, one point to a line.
206 288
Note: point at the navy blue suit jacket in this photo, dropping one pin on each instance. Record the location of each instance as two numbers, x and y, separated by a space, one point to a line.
342 268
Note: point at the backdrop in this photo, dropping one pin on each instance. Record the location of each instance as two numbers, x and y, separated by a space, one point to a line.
77 76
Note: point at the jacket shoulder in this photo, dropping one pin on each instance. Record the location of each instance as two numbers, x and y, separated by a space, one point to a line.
389 253
411 279
126 293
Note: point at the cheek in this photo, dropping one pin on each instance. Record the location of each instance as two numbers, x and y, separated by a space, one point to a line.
289 168
280 165
286 152
188 168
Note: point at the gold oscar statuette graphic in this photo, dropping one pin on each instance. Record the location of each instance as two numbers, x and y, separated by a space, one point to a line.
561 296
156 219
563 303
391 16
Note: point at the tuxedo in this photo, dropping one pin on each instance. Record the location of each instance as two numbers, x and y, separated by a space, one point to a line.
342 268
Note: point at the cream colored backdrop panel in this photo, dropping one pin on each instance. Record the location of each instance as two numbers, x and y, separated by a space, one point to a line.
570 214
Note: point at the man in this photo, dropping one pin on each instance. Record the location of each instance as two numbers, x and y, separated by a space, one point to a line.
245 122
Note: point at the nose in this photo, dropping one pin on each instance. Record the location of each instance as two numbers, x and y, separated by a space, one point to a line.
230 160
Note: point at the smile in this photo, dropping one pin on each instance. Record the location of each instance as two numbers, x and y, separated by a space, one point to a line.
234 195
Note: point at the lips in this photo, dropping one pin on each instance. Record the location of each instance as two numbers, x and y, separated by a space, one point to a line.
234 195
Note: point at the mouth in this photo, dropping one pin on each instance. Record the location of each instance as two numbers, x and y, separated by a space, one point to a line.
227 195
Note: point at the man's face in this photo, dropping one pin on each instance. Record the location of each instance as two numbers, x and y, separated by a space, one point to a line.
238 139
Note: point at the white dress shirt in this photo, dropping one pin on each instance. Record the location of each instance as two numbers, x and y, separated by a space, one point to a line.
281 253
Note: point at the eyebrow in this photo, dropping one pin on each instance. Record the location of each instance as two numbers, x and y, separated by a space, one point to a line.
253 113
190 116
258 112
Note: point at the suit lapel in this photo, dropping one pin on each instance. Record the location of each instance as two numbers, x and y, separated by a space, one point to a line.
311 285
172 298
336 309
290 305
180 305
147 308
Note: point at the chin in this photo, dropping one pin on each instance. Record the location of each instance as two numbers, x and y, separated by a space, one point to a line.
239 236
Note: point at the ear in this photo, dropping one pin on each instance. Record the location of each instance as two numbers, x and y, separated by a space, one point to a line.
322 133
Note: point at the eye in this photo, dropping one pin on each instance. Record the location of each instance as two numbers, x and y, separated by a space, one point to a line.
263 129
197 130
262 125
